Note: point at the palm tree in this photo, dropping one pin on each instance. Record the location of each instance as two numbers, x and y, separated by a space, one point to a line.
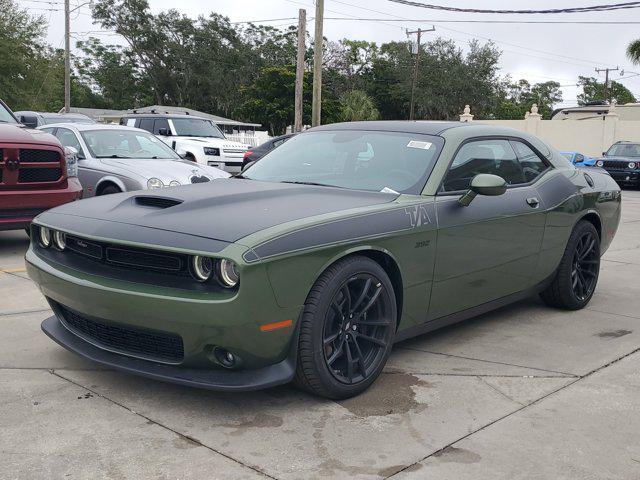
357 105
633 52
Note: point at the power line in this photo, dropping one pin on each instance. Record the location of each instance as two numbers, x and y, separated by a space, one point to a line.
539 22
593 8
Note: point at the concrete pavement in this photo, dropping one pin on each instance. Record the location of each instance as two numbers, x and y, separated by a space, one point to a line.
523 392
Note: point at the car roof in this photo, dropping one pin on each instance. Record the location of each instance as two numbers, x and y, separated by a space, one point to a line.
53 114
83 127
426 127
162 115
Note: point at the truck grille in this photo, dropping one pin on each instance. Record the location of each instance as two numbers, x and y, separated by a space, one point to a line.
30 155
616 165
126 339
33 175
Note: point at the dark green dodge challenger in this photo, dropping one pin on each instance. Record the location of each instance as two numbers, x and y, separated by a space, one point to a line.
310 265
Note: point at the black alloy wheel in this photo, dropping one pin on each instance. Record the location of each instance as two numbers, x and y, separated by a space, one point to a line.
346 329
576 277
356 329
586 264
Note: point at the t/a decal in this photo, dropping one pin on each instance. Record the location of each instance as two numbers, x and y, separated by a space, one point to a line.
418 215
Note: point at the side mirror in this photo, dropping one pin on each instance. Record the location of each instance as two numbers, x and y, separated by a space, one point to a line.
30 121
165 132
483 184
604 154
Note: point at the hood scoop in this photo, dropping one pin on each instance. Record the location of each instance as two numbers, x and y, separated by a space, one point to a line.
157 202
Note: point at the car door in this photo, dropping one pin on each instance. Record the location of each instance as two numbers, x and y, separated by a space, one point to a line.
489 249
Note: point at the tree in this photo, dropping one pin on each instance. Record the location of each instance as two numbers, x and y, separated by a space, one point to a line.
357 105
517 98
633 52
592 91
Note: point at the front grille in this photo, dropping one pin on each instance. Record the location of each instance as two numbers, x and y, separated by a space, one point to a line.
34 175
199 179
617 164
33 155
126 339
129 257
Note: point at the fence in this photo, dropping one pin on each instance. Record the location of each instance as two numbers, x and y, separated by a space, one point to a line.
591 137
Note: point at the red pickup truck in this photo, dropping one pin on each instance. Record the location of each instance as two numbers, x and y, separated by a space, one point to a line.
35 174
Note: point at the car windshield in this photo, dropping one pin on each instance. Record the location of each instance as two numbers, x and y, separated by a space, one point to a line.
196 127
362 160
5 115
121 143
624 150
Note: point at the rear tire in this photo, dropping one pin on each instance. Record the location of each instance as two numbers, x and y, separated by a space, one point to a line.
346 329
577 275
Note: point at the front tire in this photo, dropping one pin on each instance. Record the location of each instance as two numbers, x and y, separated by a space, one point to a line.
577 274
347 329
110 190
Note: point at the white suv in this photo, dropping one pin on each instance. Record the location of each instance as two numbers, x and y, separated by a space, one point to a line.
195 138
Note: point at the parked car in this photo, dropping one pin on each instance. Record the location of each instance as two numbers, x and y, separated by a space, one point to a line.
196 139
622 161
256 153
336 245
36 173
113 159
580 159
38 119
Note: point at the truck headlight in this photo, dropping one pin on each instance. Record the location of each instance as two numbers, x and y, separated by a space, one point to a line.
632 165
201 267
59 240
44 236
71 159
212 151
599 163
154 183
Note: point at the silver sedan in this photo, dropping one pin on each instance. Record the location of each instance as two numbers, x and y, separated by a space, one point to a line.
114 158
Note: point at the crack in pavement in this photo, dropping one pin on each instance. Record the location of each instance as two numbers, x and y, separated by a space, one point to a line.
610 313
500 391
6 314
538 400
182 435
565 374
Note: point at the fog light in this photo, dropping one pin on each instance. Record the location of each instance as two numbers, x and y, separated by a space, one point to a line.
44 234
201 267
225 357
59 240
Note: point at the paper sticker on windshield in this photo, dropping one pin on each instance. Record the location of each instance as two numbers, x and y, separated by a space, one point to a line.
419 144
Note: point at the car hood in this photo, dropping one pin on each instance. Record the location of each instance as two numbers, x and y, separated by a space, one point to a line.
209 142
14 133
224 209
620 159
164 169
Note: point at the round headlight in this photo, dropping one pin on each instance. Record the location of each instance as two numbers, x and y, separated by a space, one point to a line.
153 183
599 163
201 268
228 273
632 165
59 240
174 183
45 237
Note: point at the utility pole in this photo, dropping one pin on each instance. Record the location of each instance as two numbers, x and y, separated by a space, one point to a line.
416 65
302 31
316 106
67 57
606 80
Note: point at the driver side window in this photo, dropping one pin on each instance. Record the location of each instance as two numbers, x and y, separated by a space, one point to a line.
494 156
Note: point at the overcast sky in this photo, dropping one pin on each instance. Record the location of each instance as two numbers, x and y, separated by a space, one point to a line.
533 51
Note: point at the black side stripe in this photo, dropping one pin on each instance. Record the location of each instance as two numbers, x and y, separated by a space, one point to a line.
344 230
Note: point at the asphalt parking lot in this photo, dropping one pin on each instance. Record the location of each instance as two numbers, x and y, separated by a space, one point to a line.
525 392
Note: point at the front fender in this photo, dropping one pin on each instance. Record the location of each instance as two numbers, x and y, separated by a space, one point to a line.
115 180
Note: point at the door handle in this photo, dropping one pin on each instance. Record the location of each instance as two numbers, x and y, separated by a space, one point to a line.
533 202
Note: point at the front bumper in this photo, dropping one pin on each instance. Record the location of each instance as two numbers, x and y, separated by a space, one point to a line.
20 207
221 380
202 320
625 177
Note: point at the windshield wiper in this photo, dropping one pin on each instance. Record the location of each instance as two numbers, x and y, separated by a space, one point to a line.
310 183
111 156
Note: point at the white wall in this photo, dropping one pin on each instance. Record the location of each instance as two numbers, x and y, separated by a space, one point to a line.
591 137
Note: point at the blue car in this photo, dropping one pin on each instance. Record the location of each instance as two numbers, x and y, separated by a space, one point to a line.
578 158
